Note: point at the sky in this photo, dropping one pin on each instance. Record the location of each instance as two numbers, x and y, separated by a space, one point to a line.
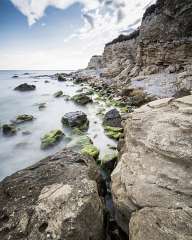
62 34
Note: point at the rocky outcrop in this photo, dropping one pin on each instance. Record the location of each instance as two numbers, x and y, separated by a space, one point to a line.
159 53
152 183
95 62
57 198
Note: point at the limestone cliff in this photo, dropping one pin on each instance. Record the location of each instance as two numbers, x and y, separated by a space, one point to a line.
158 56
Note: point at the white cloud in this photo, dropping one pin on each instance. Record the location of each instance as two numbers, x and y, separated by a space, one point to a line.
103 21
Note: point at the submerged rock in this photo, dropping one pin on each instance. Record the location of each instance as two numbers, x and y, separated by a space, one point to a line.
113 132
51 139
58 94
81 99
76 119
113 119
15 76
57 198
25 87
151 184
41 106
9 129
23 118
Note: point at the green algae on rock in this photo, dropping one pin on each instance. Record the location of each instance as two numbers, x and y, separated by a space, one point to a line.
81 99
113 132
91 151
23 118
9 129
52 138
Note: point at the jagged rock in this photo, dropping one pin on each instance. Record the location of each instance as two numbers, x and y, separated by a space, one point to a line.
154 174
9 129
25 87
76 119
112 119
57 198
95 62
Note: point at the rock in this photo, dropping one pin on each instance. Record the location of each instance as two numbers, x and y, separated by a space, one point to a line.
46 81
90 150
41 106
76 119
61 77
81 99
26 133
151 183
112 118
95 62
58 94
23 118
57 198
25 87
113 132
109 160
51 139
15 76
182 93
9 129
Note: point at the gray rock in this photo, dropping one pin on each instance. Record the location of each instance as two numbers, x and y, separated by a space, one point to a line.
112 118
9 129
155 171
25 87
82 99
57 198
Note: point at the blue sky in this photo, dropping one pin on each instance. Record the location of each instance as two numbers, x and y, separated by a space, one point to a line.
61 34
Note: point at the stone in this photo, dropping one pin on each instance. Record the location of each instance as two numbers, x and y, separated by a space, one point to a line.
108 161
61 77
25 87
9 129
112 118
51 139
113 132
81 99
23 118
58 94
57 198
76 119
15 76
151 184
90 150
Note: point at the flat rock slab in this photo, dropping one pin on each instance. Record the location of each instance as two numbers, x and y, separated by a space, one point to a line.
57 198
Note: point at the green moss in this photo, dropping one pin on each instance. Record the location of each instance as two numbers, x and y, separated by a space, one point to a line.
91 151
51 138
79 142
113 132
109 157
24 118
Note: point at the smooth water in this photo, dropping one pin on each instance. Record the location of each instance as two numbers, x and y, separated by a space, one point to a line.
20 151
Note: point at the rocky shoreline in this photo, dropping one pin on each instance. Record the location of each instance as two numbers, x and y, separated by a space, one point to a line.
144 191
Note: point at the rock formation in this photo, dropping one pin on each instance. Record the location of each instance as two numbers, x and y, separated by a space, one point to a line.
57 198
152 183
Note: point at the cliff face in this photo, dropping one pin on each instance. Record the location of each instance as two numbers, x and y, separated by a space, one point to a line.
160 48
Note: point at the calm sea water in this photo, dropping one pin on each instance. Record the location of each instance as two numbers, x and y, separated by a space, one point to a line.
20 151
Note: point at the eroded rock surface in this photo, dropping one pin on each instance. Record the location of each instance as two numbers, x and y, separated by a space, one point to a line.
57 198
152 183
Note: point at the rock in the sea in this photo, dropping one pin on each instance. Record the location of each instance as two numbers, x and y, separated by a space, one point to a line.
76 119
82 99
151 184
25 87
61 77
57 198
23 118
58 94
9 129
51 139
113 119
15 76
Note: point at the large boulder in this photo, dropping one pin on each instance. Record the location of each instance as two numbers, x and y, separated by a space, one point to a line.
24 87
57 198
112 118
151 184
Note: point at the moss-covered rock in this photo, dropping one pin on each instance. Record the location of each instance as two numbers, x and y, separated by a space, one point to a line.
113 132
91 151
81 99
58 94
9 129
23 118
52 138
109 160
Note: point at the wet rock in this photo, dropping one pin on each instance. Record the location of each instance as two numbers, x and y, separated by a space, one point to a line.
109 160
23 118
46 81
15 76
57 198
90 150
112 118
26 133
25 87
9 129
113 132
76 119
61 77
151 183
58 94
41 106
51 139
81 99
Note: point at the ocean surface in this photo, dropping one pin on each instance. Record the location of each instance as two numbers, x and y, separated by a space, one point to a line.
20 151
